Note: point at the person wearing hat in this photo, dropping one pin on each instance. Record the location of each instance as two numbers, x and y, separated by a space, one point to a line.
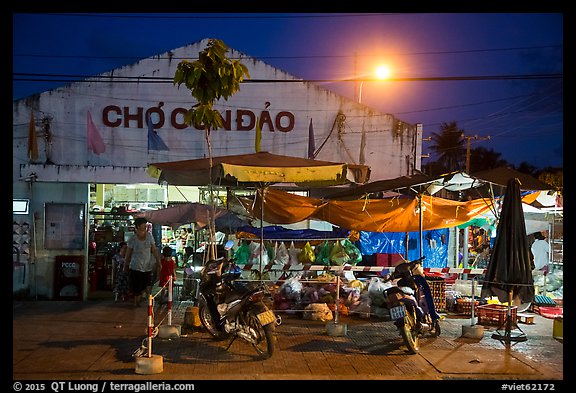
142 259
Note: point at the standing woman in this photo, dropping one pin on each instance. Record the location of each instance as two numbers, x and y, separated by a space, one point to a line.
142 259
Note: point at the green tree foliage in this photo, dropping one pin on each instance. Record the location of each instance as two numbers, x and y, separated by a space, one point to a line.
483 159
526 168
210 78
554 177
448 144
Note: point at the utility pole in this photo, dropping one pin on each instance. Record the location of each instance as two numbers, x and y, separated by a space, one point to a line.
469 138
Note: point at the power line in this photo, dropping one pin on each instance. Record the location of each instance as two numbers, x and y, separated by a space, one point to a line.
303 56
230 16
33 77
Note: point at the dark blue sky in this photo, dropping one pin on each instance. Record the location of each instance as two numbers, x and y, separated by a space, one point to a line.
523 116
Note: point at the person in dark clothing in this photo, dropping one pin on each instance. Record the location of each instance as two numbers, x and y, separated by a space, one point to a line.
121 288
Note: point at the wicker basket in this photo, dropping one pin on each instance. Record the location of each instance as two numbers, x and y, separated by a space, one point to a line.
495 314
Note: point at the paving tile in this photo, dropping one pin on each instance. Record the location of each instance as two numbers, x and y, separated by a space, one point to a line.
85 340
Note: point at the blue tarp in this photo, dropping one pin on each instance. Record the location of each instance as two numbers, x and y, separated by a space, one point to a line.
273 232
435 245
435 241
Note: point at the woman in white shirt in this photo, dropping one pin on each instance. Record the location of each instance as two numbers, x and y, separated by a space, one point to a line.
540 250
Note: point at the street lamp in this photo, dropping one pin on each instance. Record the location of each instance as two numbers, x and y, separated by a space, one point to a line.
382 72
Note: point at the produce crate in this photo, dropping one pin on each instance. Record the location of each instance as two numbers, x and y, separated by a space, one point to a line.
495 314
464 306
438 290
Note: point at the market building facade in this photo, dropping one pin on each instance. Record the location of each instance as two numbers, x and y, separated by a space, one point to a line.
102 130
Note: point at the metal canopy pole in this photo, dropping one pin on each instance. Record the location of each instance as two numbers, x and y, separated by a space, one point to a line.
420 223
262 228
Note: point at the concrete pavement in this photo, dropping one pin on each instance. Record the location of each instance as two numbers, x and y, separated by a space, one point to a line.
95 340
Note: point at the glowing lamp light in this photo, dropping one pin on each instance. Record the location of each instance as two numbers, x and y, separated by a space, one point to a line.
383 72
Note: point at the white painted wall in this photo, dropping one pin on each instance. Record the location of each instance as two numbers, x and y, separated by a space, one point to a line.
387 144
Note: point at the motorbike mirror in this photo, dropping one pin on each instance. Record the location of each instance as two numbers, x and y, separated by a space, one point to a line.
418 270
228 245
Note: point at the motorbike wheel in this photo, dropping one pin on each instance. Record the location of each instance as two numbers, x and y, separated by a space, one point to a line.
409 332
264 335
208 321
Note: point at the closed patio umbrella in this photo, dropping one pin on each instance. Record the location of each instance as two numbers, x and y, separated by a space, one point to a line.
509 274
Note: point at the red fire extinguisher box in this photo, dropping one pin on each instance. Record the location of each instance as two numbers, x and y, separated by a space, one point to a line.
68 277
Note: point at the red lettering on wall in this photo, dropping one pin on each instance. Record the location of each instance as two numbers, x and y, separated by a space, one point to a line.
266 119
114 116
106 116
137 117
160 113
174 120
289 126
239 120
227 120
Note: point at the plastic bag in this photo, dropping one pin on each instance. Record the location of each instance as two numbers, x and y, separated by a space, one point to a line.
352 251
307 256
310 294
338 255
323 253
318 312
291 289
361 306
270 250
255 275
281 256
293 254
242 254
376 290
356 284
255 254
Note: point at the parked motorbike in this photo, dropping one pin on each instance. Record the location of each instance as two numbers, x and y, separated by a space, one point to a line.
232 309
410 304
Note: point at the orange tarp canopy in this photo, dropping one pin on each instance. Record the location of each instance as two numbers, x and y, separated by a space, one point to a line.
373 215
